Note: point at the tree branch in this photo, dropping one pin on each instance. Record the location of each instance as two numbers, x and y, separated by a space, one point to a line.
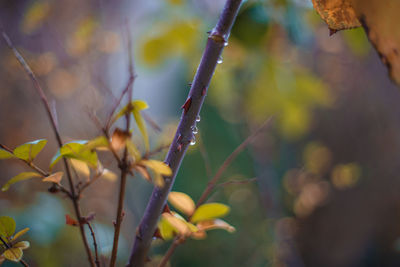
53 123
216 41
124 166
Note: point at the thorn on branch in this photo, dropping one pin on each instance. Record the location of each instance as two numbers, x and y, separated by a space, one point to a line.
187 105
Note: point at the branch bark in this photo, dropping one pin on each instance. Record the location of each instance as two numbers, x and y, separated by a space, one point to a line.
216 41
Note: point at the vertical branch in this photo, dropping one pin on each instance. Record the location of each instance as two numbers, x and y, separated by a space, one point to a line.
53 123
215 44
94 244
124 165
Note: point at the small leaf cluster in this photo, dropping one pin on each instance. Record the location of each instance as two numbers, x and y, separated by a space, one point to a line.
10 248
199 220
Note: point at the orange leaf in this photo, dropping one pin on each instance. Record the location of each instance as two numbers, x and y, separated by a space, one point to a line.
182 202
70 221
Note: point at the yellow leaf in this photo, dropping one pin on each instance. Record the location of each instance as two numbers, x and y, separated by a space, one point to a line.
20 177
20 233
166 229
215 224
22 245
209 211
99 143
13 254
54 178
157 166
81 167
35 16
178 224
182 202
137 106
4 154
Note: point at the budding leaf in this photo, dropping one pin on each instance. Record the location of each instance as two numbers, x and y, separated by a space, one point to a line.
209 211
20 177
29 151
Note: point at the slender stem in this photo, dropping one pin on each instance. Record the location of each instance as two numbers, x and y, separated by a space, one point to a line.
215 44
94 244
53 123
177 241
212 183
124 166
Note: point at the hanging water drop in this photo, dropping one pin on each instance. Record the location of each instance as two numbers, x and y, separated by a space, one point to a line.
198 118
194 129
225 43
219 61
193 141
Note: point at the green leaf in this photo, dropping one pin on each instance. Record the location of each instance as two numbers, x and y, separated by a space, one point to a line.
99 142
139 105
13 254
209 211
7 226
76 150
4 154
29 151
20 177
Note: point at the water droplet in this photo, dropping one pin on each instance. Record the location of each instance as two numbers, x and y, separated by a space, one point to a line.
198 118
225 43
193 141
219 61
194 129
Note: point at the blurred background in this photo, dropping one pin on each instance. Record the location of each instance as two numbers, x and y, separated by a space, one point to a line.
327 183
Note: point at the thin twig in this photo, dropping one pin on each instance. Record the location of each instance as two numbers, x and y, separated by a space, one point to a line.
177 241
235 182
39 170
206 158
216 42
124 167
212 183
53 123
94 244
